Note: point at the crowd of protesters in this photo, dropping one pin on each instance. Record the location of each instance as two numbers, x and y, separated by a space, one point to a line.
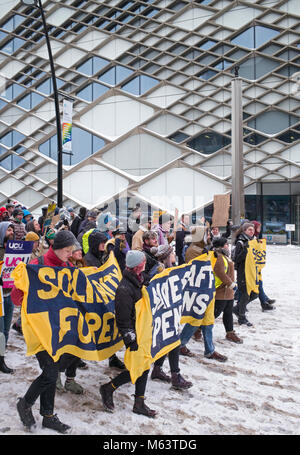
142 247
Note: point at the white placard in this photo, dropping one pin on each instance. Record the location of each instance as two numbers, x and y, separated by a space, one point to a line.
290 227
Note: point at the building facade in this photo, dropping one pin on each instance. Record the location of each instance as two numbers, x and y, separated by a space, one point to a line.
151 88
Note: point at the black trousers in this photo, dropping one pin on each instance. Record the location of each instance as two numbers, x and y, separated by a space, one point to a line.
225 307
140 384
173 360
44 386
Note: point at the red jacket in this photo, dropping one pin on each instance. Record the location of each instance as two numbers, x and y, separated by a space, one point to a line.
51 259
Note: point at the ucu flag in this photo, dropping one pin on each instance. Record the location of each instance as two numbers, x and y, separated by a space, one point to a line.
16 251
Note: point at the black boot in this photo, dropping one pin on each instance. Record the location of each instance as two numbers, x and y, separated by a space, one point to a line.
17 328
179 383
3 367
106 392
24 410
244 321
140 407
270 301
158 373
267 307
54 423
115 362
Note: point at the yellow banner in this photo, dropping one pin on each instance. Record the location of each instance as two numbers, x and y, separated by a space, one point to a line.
255 262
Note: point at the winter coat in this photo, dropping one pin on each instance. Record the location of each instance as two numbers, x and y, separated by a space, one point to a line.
137 239
128 293
94 257
180 235
119 248
19 228
223 292
240 253
195 249
76 225
152 267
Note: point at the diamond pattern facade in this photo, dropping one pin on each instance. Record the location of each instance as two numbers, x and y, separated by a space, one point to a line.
151 83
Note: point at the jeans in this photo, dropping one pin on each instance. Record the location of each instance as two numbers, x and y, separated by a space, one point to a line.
140 384
187 333
225 307
173 360
262 296
5 321
44 386
207 331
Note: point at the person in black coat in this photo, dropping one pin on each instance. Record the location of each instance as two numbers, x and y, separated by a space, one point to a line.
181 232
243 236
95 255
75 226
128 293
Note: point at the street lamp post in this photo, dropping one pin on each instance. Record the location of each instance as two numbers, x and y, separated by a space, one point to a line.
38 4
238 201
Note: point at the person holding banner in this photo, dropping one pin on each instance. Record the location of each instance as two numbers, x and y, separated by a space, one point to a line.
265 301
44 386
128 293
200 244
243 235
6 306
225 286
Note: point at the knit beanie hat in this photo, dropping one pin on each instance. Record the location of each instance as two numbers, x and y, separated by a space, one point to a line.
50 234
63 239
197 233
134 258
246 225
77 247
31 237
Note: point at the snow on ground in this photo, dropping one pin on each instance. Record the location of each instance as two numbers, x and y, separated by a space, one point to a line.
256 392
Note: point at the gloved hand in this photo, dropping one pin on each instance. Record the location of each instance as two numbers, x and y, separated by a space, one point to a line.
233 286
133 346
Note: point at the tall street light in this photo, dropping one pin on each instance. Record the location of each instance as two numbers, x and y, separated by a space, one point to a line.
38 4
238 201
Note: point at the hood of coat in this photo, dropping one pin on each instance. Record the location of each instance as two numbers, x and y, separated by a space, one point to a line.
95 238
3 227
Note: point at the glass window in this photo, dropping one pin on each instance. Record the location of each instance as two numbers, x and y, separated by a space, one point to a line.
92 91
255 36
92 65
115 75
12 45
276 213
12 162
12 138
207 74
31 100
272 122
140 84
12 91
256 67
46 86
84 144
207 44
289 136
13 22
179 137
223 64
208 142
254 139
